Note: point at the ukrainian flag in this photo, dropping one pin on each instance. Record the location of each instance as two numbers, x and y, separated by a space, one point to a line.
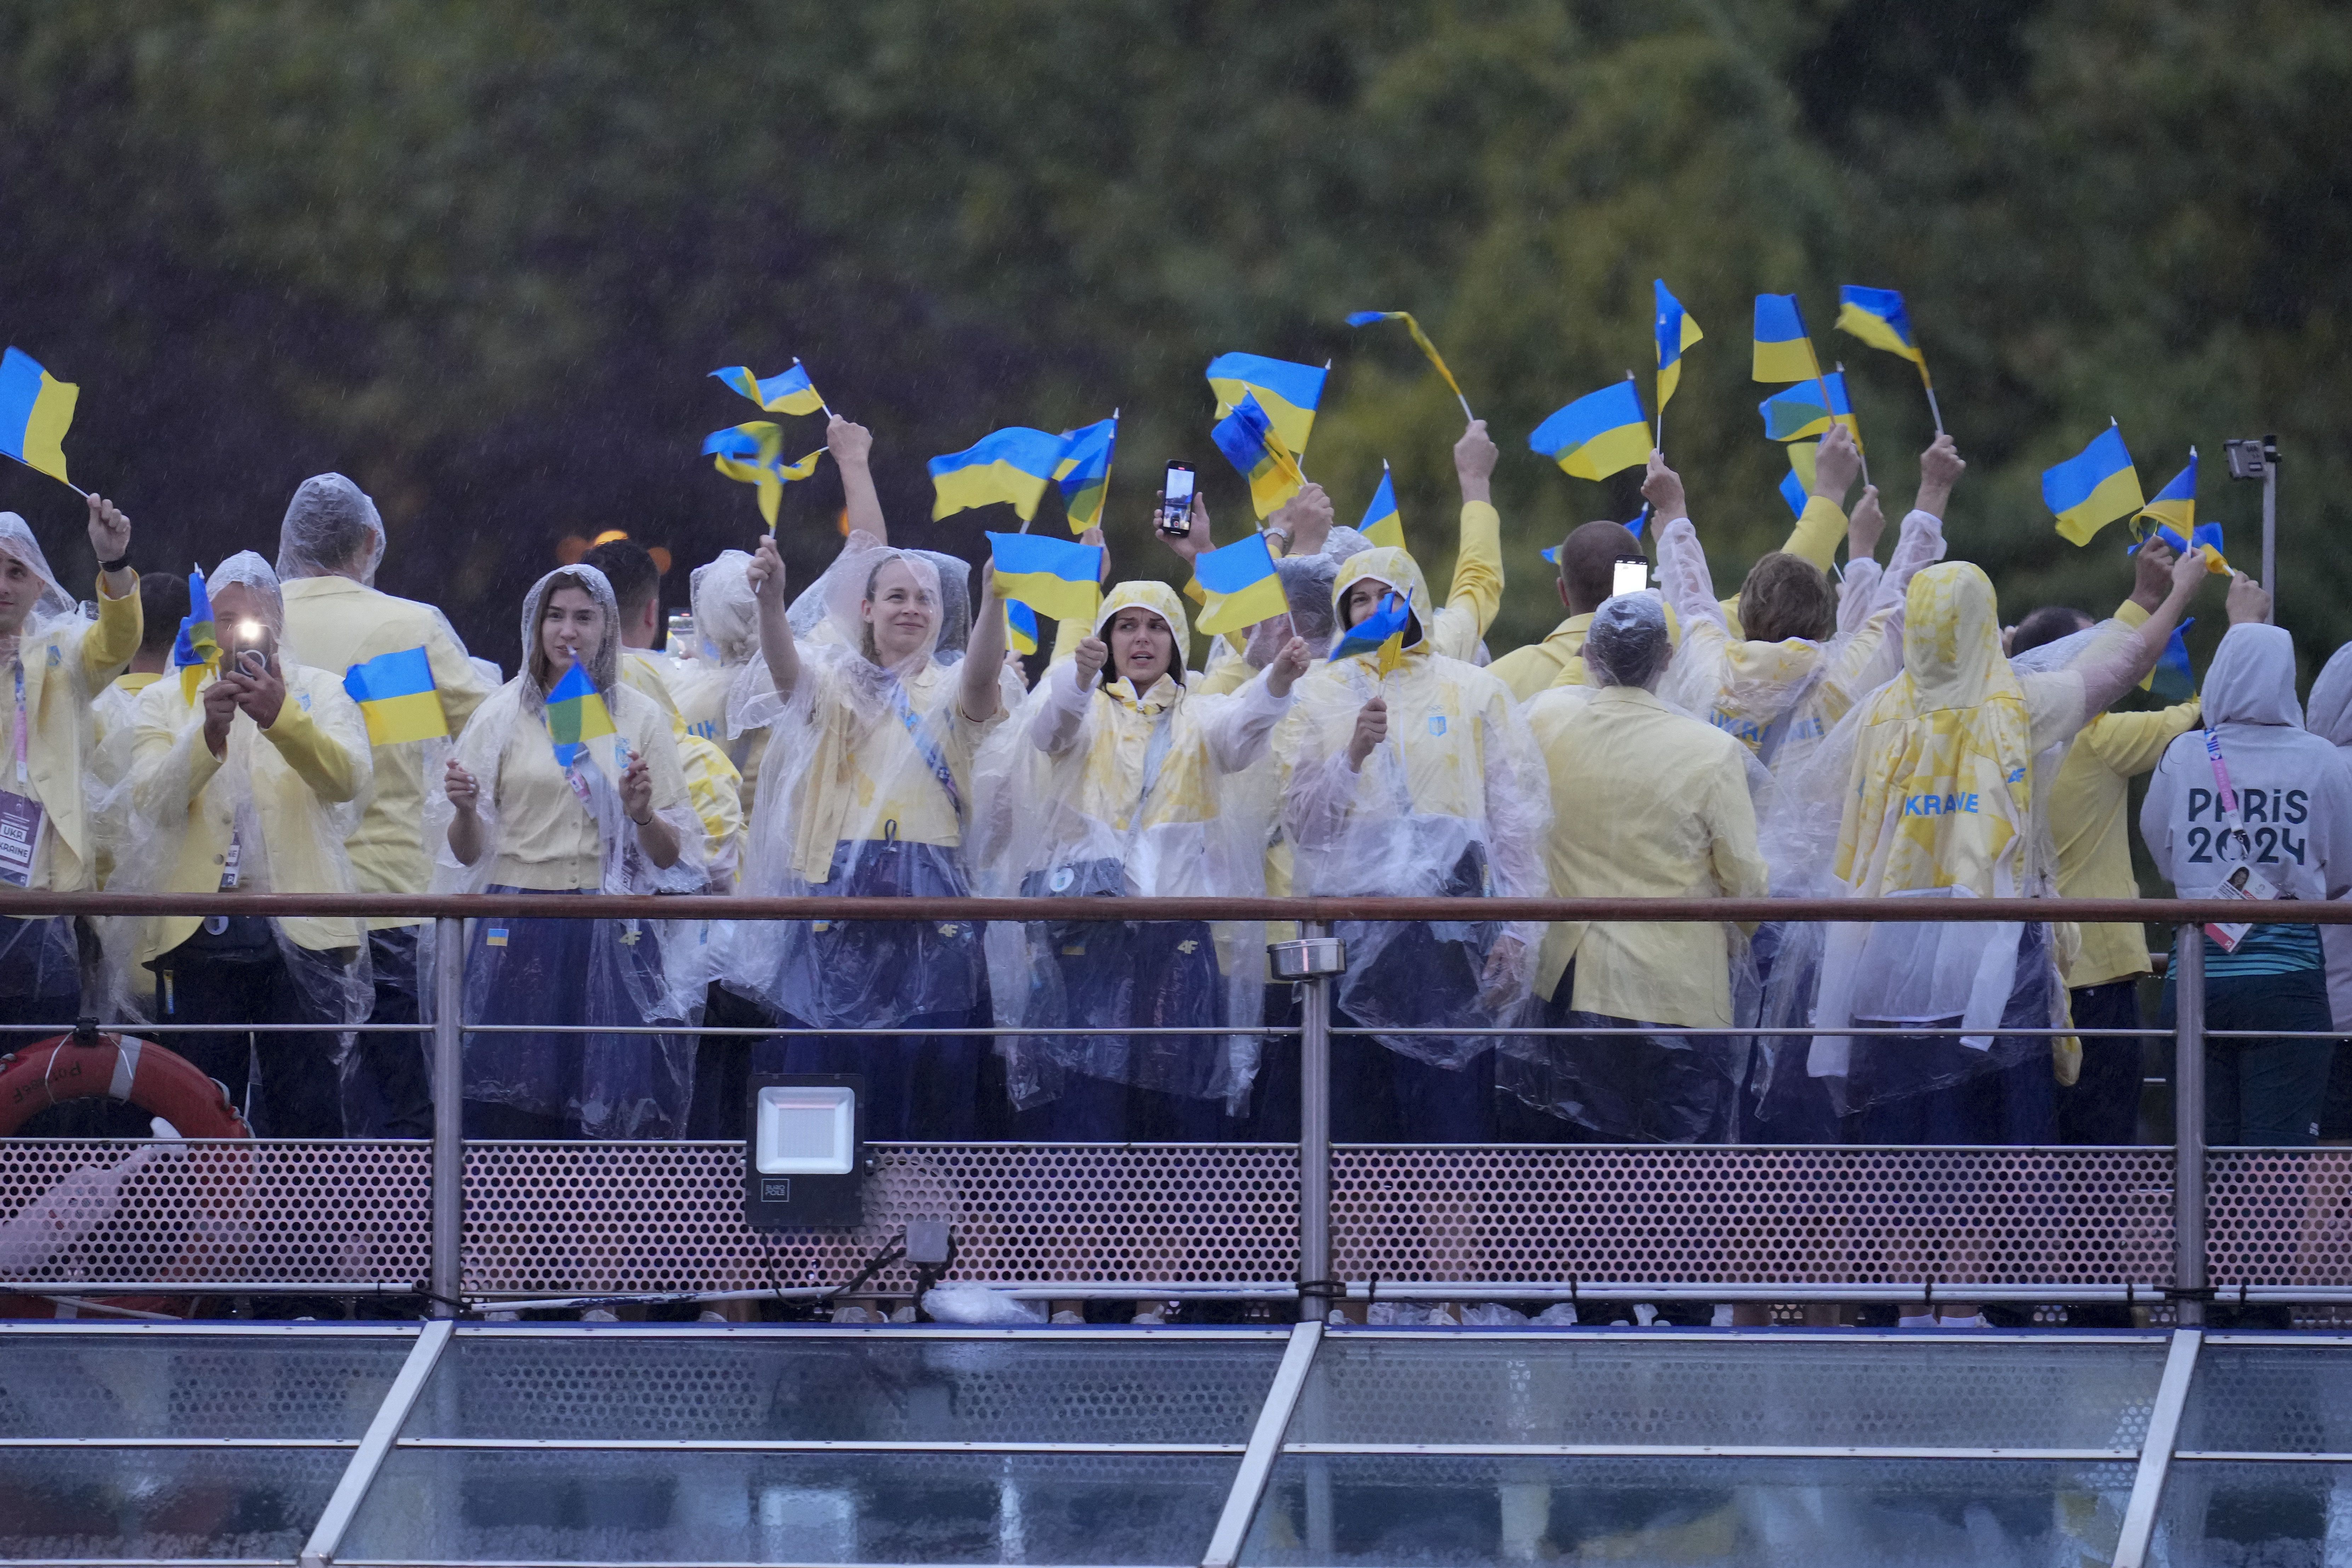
790 393
1381 525
1783 351
2172 678
395 691
2204 539
1083 471
1420 339
1677 332
1239 586
1286 391
1797 488
1020 627
750 453
2175 506
1053 576
1252 444
1380 634
1013 465
1598 433
1797 413
1876 316
35 409
578 720
198 647
2093 488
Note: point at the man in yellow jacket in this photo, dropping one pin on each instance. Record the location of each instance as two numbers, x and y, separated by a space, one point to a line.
58 663
329 548
253 784
1588 555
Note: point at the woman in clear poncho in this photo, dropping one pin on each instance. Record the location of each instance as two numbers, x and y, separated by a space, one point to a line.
511 816
55 804
1951 762
1111 782
250 779
867 792
1420 782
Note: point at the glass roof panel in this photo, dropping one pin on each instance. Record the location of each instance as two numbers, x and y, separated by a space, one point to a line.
239 1503
1752 1513
2255 1515
2270 1398
1855 1391
444 1505
917 1387
284 1385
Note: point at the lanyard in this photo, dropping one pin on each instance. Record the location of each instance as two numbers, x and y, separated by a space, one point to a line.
2229 796
19 665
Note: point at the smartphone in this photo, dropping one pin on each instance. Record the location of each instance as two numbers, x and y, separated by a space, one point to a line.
1176 501
1632 576
250 646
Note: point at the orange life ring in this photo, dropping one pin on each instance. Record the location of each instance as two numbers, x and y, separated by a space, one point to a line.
138 1072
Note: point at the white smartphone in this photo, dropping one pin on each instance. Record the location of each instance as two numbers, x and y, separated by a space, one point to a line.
1632 576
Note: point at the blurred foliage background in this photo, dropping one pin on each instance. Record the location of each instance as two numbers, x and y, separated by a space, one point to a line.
479 254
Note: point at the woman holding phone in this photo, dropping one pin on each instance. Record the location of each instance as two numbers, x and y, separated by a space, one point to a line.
512 815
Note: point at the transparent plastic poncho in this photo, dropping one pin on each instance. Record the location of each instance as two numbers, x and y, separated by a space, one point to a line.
286 839
1455 802
855 743
1108 792
327 513
636 973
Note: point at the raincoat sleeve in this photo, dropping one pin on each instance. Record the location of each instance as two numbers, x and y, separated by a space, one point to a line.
1238 728
169 767
1061 710
1228 670
109 642
1701 663
1871 653
2110 663
323 748
1476 591
1819 528
1858 594
2129 744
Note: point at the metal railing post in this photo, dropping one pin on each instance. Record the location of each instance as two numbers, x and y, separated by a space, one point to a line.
2188 1275
1312 961
448 1115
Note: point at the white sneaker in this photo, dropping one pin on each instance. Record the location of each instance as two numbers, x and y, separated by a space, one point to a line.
1066 1316
709 1315
905 1314
600 1315
854 1315
1973 1321
1149 1317
500 1315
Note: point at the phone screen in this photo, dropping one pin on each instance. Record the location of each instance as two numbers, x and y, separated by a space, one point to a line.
1631 577
1176 498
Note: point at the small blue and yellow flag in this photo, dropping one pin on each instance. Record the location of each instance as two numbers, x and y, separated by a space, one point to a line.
787 394
751 454
2093 488
1797 413
1796 486
1055 577
1783 350
1876 316
578 720
1257 450
2204 539
2172 678
2175 506
1020 627
1421 341
1013 465
1380 634
1083 471
35 407
1286 391
1239 586
1598 435
197 649
1677 332
395 692
1381 524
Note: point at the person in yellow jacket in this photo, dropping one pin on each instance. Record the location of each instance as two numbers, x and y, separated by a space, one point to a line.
1420 781
1110 783
253 784
49 820
162 605
1588 555
1647 801
2089 813
329 546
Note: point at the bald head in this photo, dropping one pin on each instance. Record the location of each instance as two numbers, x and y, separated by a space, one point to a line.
1588 564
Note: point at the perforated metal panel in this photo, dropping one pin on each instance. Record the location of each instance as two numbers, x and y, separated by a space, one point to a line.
556 1217
2279 1217
246 1210
1717 1216
281 1386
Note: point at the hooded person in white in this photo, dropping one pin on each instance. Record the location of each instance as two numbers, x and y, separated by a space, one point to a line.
2328 715
2254 792
510 816
1112 782
253 784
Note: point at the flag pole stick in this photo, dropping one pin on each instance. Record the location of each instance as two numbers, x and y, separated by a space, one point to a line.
59 478
821 403
1856 429
1934 413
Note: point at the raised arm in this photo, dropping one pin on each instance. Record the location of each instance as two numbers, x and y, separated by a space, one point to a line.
776 642
985 655
2105 678
1477 586
1684 577
852 451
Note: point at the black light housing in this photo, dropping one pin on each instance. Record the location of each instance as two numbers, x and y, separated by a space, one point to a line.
804 1160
